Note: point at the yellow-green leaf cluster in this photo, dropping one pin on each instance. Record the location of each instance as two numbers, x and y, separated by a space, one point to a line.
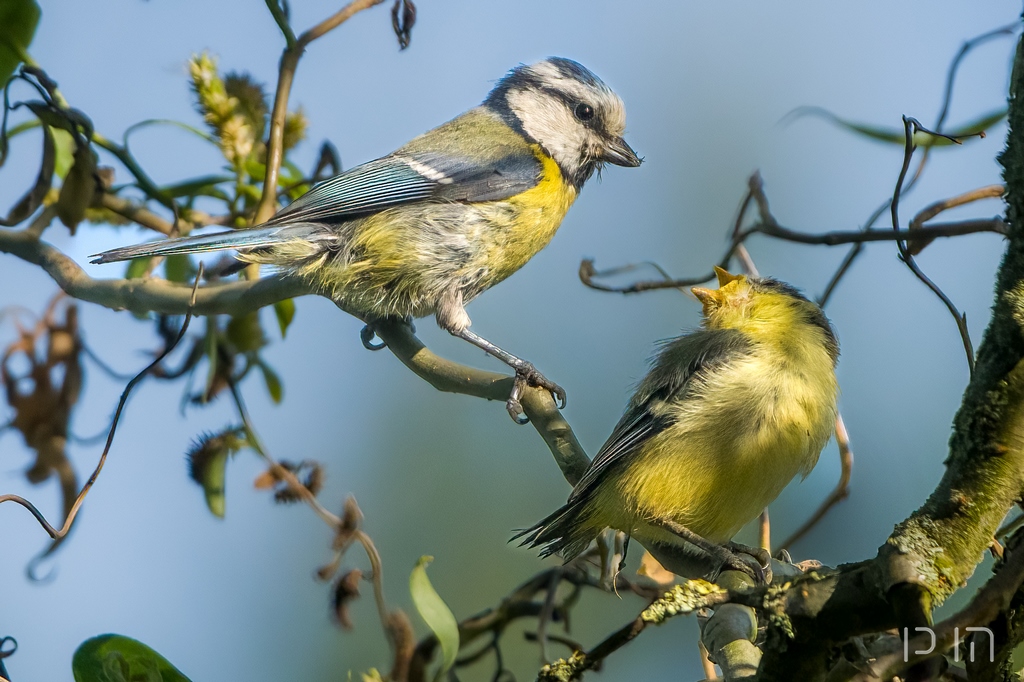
235 107
223 112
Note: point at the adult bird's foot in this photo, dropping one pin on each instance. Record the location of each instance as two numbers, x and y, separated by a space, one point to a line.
527 376
366 335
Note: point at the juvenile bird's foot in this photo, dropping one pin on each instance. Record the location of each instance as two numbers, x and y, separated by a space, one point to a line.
732 562
724 557
526 376
760 555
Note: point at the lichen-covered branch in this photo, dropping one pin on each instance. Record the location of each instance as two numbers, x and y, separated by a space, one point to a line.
934 552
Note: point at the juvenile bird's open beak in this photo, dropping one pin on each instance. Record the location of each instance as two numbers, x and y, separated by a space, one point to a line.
621 154
724 276
707 297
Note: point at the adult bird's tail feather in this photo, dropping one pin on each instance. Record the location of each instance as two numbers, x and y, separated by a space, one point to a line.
233 239
567 532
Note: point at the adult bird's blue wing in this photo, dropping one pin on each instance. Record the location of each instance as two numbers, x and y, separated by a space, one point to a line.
403 178
386 182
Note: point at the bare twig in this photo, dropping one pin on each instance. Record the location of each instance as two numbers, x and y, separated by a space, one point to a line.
923 234
910 127
940 121
682 599
286 75
58 533
764 531
932 210
705 662
838 494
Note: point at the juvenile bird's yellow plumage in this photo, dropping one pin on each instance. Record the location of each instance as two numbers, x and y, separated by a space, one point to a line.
726 418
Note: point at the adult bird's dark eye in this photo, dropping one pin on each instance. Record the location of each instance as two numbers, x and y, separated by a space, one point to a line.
584 112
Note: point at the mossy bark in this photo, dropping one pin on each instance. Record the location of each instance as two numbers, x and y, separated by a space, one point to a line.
931 554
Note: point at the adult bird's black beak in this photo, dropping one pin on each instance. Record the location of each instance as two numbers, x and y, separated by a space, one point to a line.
621 154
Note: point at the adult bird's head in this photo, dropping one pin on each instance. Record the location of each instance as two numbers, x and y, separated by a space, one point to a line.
567 110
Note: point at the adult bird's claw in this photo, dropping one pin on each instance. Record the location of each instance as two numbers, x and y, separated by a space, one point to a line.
366 335
526 376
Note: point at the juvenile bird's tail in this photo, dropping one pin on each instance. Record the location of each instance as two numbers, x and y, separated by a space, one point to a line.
566 532
219 241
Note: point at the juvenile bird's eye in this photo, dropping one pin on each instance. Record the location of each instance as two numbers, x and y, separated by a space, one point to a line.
584 112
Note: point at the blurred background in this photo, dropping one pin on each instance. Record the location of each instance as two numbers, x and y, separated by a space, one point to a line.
705 88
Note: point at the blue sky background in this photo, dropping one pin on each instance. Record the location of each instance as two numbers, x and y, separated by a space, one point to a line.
705 85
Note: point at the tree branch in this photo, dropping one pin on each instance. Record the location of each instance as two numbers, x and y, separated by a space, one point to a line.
148 295
153 295
286 75
918 235
932 553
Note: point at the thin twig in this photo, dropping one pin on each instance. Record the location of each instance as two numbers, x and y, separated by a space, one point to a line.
681 600
545 615
923 234
934 209
764 531
69 519
940 121
838 494
283 473
377 580
910 127
332 520
705 662
1010 527
286 75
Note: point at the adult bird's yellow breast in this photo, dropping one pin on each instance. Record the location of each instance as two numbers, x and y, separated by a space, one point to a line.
525 223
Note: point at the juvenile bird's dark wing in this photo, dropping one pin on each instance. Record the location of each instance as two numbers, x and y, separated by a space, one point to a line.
676 365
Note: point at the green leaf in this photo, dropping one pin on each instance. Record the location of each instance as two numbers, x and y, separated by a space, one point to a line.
116 658
65 146
435 614
18 21
202 134
273 381
137 267
245 333
178 268
204 186
76 194
285 312
896 135
207 464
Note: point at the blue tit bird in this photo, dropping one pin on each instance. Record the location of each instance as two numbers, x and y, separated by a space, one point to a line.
725 419
429 227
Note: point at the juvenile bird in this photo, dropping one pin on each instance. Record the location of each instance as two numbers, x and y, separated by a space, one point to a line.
427 228
724 420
